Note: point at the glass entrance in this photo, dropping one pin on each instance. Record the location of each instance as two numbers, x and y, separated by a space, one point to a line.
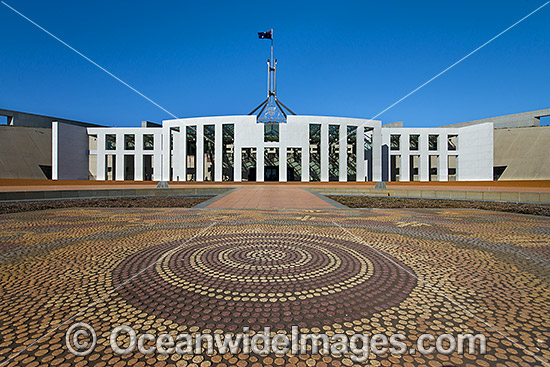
271 164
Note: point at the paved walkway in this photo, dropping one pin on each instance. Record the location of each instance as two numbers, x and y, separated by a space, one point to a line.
7 185
277 197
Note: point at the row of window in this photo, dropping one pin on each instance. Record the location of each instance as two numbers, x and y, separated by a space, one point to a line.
414 167
129 142
272 132
433 142
272 135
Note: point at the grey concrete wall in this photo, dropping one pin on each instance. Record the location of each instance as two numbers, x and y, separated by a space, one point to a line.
525 119
525 152
150 124
394 124
72 157
23 150
18 118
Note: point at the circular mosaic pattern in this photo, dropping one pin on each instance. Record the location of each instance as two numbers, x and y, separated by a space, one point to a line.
266 279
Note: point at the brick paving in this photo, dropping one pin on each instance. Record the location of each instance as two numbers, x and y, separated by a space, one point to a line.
332 271
503 186
271 196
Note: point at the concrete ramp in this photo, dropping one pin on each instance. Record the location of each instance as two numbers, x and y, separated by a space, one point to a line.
524 152
272 197
23 150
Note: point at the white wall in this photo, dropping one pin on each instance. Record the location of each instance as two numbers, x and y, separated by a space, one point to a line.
476 161
474 151
293 134
119 152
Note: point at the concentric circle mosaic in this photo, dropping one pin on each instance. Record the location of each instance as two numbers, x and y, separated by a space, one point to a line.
261 279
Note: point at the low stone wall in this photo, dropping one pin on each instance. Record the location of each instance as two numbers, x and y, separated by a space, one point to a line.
508 197
110 193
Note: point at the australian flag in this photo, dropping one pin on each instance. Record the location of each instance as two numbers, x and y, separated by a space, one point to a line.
266 35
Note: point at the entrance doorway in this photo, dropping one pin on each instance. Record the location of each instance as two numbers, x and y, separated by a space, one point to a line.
271 173
248 159
110 167
147 167
271 164
294 164
395 167
414 164
434 163
128 167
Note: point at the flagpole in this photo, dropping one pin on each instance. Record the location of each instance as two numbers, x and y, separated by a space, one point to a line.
272 63
268 77
271 103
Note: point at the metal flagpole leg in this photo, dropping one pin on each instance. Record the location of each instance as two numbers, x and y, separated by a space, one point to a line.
275 77
289 110
261 104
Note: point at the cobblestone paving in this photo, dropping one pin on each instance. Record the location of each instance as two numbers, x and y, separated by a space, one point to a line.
216 271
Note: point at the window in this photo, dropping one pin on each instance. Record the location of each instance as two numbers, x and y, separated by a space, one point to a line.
434 162
209 157
271 164
191 149
414 164
413 142
451 142
92 142
333 152
271 132
352 153
294 164
148 142
432 142
129 167
248 159
367 141
148 167
129 141
395 163
110 142
451 167
228 141
394 142
92 166
314 152
110 167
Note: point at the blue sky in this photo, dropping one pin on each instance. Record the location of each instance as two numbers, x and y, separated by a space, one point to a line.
345 58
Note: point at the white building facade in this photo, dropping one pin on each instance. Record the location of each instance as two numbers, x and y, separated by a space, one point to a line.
305 148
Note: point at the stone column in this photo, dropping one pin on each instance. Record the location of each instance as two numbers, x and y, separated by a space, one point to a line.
377 154
100 157
324 151
218 147
305 163
360 156
343 156
119 157
199 169
282 164
260 164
